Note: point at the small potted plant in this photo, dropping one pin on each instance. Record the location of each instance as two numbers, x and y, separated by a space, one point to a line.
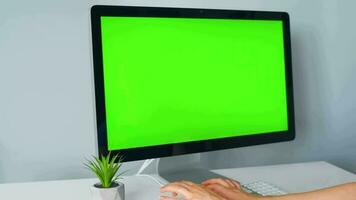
106 169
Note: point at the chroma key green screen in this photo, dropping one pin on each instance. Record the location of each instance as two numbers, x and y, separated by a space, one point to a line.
173 80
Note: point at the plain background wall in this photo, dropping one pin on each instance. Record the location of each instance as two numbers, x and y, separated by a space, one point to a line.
47 106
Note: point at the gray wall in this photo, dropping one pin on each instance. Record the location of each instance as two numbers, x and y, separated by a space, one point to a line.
47 108
324 47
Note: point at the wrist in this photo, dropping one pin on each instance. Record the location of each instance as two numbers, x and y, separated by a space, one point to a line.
255 197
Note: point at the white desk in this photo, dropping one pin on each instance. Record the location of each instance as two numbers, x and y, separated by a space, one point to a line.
292 178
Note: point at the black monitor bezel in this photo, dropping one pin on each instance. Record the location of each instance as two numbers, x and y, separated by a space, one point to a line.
188 147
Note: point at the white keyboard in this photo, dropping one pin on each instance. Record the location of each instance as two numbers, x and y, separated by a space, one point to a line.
263 189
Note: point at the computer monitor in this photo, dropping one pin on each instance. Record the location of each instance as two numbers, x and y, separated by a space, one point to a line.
173 81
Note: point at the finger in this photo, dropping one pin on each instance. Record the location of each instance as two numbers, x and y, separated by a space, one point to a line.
173 194
237 184
176 188
169 194
166 198
187 183
231 184
226 182
218 181
223 191
192 187
178 183
234 183
173 188
213 181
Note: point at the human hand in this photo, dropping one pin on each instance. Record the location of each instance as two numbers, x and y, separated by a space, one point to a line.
227 183
229 189
190 191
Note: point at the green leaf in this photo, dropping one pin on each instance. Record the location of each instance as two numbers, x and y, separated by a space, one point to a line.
105 168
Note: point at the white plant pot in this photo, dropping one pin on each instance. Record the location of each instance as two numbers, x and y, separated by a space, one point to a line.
117 192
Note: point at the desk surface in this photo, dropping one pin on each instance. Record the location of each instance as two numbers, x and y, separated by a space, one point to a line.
291 177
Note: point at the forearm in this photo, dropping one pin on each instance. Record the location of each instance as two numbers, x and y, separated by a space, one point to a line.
342 192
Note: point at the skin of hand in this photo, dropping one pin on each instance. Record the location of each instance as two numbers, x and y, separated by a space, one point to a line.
339 192
229 189
228 183
190 191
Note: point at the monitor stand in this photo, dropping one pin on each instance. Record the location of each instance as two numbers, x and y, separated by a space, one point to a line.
171 169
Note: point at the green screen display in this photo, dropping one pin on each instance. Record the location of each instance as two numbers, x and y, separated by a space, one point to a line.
173 80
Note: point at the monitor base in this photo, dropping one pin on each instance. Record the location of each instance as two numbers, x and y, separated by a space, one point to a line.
177 168
196 175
